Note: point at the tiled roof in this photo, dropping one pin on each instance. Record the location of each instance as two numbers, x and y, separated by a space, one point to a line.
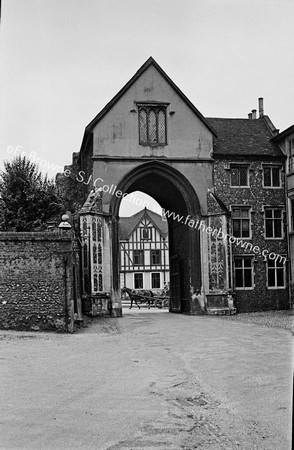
128 224
243 137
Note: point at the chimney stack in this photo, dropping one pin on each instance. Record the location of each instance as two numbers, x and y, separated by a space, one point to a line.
260 107
254 114
250 116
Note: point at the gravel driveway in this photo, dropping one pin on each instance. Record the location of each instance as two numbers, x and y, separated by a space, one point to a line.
278 319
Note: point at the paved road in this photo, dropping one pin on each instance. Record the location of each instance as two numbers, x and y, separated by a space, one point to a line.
149 380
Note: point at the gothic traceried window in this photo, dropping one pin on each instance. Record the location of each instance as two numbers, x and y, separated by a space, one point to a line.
99 234
85 255
152 124
100 280
94 253
95 282
99 254
94 232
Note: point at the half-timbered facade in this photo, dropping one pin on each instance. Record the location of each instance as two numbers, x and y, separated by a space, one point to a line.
144 259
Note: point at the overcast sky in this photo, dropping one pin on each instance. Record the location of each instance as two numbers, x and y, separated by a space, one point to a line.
63 60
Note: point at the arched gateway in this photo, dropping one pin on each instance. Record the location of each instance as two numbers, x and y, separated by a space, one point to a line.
174 192
151 138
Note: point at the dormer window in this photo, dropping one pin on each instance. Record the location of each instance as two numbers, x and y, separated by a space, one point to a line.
152 124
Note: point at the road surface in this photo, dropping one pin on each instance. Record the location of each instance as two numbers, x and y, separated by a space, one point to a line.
148 380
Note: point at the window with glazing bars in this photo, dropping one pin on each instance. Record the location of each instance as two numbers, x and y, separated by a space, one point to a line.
292 215
271 177
241 222
146 233
155 280
291 155
275 274
138 257
138 280
243 272
155 257
239 175
152 124
273 223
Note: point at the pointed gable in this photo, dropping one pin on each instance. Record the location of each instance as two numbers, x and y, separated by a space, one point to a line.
127 225
150 62
115 128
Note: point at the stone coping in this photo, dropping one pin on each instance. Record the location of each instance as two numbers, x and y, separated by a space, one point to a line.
34 236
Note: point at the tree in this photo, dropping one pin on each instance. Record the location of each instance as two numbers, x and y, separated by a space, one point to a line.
28 198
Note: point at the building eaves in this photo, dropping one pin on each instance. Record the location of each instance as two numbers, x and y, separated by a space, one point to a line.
284 134
244 137
128 224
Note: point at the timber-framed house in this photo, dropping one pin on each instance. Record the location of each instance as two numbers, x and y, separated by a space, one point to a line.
144 260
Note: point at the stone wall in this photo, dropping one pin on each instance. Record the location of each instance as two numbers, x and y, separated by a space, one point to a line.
36 281
256 196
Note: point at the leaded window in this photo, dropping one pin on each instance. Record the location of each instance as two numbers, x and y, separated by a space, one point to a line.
152 124
239 175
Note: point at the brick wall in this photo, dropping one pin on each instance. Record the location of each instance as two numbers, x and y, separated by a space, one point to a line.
255 196
36 281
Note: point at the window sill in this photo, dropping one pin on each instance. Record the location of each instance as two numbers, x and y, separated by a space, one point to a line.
273 239
272 187
243 238
276 288
244 289
150 144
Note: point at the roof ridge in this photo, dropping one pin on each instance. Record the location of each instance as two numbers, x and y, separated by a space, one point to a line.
150 61
141 211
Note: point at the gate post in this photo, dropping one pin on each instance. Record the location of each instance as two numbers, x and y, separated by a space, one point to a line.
219 296
96 239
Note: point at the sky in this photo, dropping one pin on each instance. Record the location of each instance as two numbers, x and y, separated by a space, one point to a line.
62 61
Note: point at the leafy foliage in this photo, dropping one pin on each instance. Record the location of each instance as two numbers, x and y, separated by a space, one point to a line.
28 198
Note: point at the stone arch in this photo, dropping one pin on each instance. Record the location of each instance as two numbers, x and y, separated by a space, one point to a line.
175 193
